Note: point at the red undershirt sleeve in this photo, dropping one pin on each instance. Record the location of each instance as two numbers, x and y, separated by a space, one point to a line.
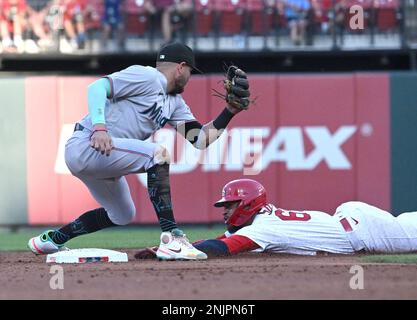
237 244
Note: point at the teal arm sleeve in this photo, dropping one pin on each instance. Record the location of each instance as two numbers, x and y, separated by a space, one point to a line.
98 92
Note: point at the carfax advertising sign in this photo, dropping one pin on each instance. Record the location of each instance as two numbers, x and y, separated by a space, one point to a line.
313 141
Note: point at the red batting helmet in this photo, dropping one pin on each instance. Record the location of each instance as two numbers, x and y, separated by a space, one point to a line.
252 197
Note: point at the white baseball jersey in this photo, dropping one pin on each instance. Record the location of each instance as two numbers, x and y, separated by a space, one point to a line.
354 227
296 232
139 104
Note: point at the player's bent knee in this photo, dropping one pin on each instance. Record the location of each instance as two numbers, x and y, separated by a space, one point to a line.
123 217
74 164
161 155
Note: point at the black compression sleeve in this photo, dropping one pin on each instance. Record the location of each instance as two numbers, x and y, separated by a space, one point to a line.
192 130
223 119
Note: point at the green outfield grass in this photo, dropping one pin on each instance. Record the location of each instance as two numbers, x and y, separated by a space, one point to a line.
391 258
140 237
115 238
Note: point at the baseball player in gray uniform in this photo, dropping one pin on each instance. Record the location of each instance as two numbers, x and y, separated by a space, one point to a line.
126 108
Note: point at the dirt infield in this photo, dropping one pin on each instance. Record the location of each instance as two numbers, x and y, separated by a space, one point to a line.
250 276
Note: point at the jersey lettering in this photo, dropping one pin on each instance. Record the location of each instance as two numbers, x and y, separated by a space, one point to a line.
155 114
292 215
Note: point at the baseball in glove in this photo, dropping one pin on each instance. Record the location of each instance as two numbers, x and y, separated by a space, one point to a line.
236 85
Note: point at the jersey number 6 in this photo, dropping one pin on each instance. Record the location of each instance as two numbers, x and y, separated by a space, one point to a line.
292 215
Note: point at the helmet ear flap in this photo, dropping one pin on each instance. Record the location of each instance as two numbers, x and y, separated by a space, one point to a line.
251 204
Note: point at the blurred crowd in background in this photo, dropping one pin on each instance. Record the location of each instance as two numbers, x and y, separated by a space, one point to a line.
71 26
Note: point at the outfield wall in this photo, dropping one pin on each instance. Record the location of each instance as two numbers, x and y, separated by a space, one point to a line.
316 141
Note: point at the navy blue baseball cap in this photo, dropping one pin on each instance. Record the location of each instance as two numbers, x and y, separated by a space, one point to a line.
177 52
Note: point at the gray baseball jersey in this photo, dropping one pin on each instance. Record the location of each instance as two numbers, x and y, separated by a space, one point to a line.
139 105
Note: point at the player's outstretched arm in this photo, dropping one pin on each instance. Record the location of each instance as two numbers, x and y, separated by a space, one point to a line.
201 136
211 247
226 246
219 247
237 98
